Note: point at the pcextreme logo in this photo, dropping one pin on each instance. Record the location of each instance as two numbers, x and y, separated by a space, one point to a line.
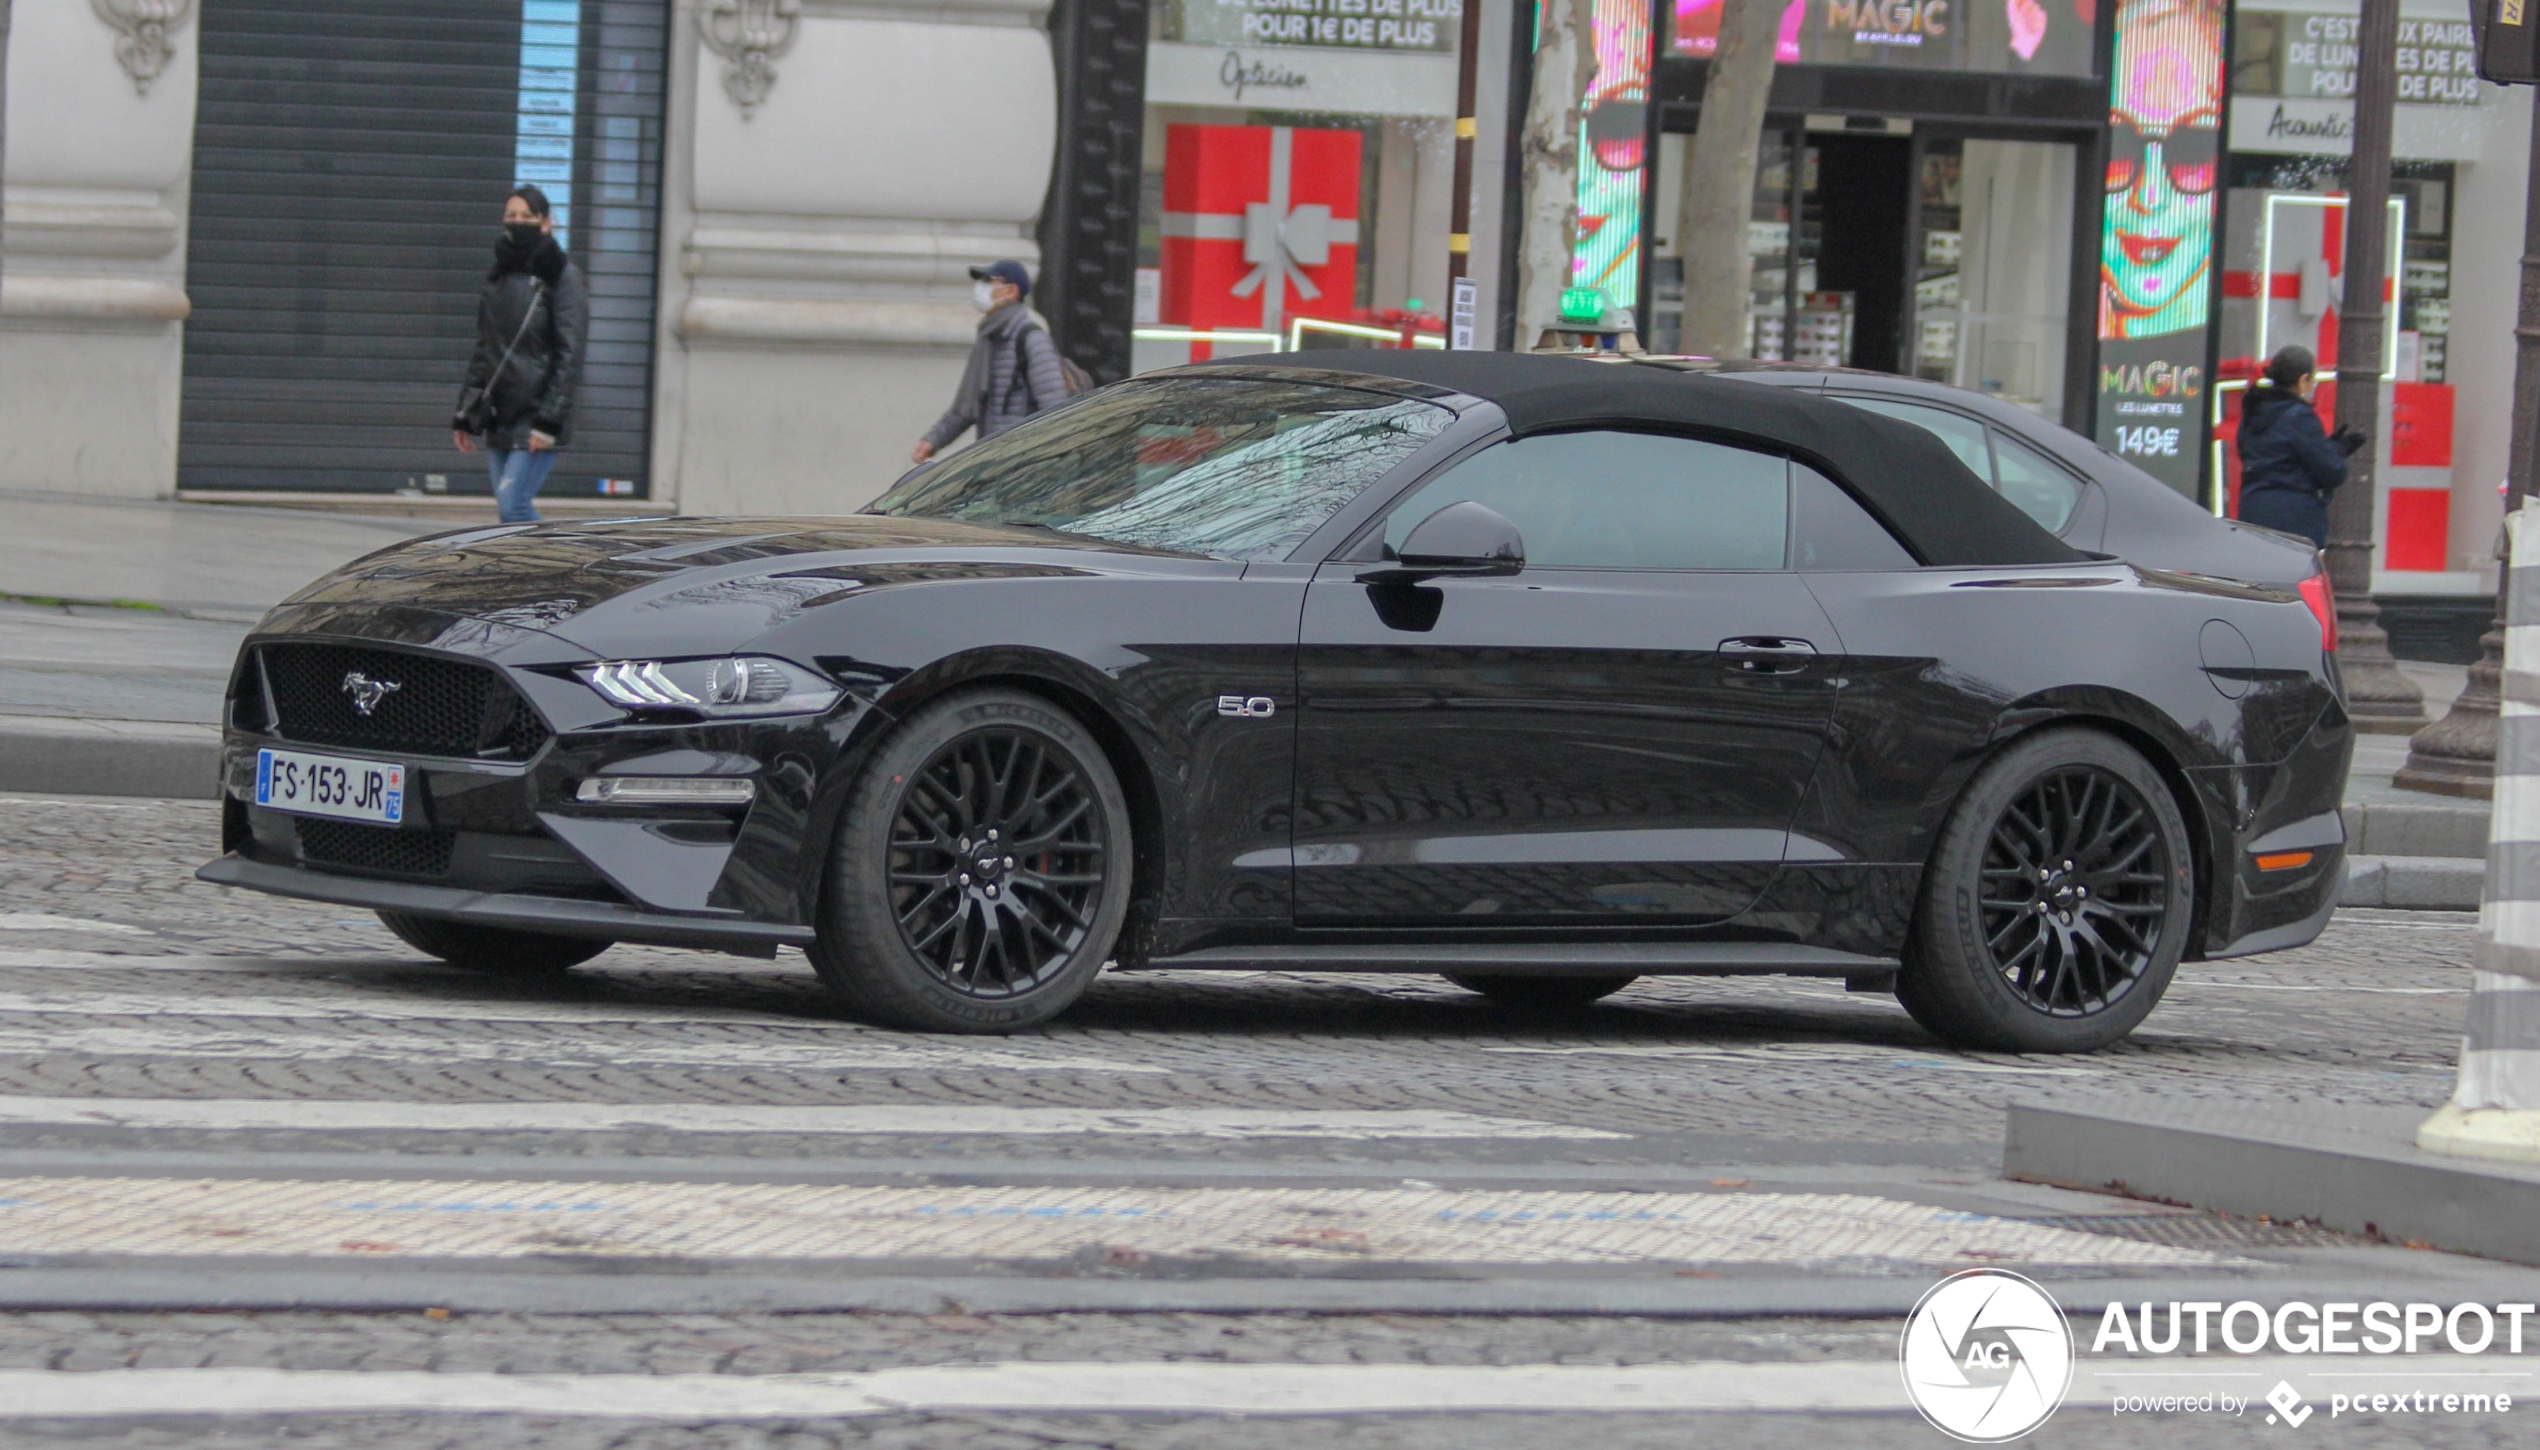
1987 1356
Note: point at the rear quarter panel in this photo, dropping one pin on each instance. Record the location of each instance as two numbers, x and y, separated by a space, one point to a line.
1944 667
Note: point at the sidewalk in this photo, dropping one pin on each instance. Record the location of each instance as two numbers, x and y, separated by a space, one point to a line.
119 621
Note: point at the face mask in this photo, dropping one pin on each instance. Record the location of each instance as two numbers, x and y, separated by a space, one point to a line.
523 235
983 295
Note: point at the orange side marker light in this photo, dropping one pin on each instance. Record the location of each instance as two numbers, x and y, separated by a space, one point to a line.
2284 860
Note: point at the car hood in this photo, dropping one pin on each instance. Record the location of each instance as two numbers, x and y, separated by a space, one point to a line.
707 584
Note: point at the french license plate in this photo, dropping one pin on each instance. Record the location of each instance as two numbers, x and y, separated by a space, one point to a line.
330 785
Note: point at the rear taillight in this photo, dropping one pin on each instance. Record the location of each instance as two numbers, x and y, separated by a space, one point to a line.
2323 602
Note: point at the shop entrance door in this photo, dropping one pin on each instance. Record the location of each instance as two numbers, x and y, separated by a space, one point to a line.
1827 233
1855 218
1993 266
1943 257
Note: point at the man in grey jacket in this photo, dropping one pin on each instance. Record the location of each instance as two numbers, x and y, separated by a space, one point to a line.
1014 370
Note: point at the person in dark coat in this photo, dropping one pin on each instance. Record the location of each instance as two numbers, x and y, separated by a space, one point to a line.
533 326
2289 465
1014 370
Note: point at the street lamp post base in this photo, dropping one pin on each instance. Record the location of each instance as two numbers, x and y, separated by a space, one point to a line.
2380 699
2456 755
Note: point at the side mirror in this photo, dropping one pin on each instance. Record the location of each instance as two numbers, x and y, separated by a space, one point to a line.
1462 541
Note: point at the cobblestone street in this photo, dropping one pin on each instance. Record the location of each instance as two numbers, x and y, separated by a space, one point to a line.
367 1169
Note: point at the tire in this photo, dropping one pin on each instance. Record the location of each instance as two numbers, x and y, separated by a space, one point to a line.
922 926
1543 994
493 949
2057 902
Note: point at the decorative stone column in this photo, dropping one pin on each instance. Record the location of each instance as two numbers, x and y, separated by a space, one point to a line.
834 169
92 302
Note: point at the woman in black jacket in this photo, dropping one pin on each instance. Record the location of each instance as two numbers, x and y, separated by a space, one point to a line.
533 325
2289 465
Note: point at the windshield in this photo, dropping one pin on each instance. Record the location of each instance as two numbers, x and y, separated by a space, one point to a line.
1229 467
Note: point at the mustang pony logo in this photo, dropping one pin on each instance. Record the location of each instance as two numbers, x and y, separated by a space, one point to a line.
367 692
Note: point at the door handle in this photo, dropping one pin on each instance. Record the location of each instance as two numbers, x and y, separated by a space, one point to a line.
1768 654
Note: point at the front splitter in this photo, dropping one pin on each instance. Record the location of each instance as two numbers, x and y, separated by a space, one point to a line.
555 915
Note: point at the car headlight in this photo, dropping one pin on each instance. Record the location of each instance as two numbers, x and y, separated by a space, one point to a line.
725 688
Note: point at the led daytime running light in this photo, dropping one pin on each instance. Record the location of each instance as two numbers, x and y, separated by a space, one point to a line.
732 688
638 683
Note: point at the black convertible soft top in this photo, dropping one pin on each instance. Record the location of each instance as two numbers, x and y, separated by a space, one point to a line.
1942 511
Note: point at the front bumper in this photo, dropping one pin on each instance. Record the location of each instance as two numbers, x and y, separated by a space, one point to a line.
505 844
502 839
558 916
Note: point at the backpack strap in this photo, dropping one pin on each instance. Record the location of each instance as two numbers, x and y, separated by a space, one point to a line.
1022 358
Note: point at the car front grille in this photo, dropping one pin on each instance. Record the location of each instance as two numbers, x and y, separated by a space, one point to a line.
439 706
386 850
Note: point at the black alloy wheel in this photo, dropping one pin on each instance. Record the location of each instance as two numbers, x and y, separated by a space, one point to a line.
997 862
2076 891
982 869
2057 902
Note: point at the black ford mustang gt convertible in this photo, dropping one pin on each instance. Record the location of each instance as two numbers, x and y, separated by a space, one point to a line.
1536 673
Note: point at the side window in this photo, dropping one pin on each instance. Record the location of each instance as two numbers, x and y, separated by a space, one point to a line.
1830 531
1965 436
1612 500
2041 490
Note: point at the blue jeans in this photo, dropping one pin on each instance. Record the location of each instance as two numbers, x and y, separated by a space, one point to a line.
518 473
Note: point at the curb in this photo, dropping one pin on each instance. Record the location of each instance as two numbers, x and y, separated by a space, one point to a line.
2380 828
2420 883
2359 1171
57 756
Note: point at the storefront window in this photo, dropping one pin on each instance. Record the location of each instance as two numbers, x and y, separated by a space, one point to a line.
2284 258
2285 284
1299 160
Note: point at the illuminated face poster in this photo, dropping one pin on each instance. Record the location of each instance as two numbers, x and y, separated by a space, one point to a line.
1613 143
2156 252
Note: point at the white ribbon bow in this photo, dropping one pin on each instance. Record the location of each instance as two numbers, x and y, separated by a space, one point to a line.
1278 245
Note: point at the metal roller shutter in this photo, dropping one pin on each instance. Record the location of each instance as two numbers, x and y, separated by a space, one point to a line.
350 161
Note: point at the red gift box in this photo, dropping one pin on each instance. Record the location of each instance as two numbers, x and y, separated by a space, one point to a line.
1260 225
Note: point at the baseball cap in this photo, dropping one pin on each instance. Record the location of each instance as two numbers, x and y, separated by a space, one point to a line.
1006 271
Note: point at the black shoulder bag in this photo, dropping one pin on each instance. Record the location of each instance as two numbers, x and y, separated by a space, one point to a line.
476 405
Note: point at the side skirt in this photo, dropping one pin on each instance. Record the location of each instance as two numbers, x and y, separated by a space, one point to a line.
1547 959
